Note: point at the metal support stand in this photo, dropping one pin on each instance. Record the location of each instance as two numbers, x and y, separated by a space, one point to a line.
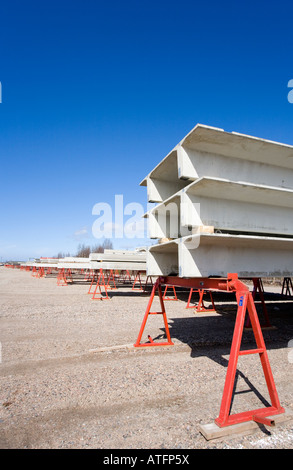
245 302
34 272
258 287
287 287
137 280
174 292
111 278
148 281
156 287
40 272
64 276
200 307
100 284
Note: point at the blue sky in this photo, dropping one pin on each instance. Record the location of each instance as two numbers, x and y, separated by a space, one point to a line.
95 94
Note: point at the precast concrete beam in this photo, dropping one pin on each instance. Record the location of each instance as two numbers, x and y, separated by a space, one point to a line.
219 254
73 265
164 180
74 259
224 205
48 260
212 152
237 207
163 259
118 265
141 249
235 145
165 219
42 265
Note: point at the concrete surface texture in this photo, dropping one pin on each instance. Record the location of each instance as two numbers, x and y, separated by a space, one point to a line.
112 259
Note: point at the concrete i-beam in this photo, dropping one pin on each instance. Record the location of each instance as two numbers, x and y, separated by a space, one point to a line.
212 152
224 205
218 254
120 257
118 265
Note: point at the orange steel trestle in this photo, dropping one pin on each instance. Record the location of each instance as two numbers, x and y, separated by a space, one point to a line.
287 287
245 302
156 287
165 293
137 280
100 283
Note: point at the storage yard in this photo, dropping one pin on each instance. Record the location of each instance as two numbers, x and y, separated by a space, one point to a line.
59 390
143 348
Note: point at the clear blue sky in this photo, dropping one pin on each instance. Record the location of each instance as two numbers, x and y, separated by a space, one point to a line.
95 94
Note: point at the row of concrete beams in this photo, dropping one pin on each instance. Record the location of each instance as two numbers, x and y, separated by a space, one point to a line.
223 205
226 201
212 152
134 257
119 260
219 254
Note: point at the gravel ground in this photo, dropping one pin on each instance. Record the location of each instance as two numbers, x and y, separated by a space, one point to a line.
56 392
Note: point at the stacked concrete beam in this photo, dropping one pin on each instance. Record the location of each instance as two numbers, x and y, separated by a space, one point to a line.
225 203
226 206
42 262
212 152
110 259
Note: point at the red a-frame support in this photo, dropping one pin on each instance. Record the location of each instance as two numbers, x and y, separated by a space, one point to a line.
287 287
200 307
99 278
245 302
64 276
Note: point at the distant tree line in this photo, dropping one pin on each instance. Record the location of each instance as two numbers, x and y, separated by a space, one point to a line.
83 251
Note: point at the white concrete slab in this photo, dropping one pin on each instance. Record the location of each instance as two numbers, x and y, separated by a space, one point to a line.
123 257
69 265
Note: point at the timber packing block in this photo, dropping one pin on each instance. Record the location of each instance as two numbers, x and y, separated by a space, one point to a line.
212 431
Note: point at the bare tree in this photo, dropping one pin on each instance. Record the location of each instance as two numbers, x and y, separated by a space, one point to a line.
106 245
83 251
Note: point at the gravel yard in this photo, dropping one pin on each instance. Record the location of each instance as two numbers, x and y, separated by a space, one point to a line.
57 391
